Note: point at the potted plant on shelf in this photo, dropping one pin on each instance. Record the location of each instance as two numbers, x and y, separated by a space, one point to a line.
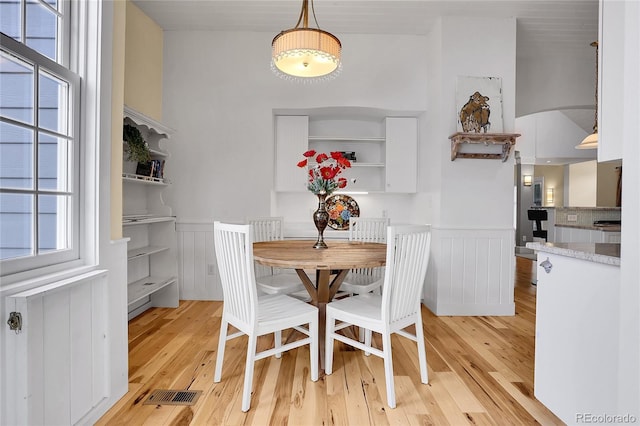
137 148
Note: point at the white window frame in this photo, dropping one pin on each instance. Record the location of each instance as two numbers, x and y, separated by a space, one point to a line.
78 32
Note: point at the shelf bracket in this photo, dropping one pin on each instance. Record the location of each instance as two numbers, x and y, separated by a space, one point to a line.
506 140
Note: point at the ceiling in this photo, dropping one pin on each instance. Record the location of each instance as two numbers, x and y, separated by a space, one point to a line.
556 27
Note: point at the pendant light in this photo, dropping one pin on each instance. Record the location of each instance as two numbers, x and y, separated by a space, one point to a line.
306 54
591 141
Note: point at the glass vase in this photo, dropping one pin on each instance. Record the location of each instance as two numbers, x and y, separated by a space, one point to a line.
321 219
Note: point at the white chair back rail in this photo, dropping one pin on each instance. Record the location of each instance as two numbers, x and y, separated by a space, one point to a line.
371 230
234 253
266 229
407 261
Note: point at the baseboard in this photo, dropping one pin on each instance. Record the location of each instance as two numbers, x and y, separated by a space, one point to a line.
506 309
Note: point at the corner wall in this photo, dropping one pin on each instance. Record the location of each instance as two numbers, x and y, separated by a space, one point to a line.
471 272
143 63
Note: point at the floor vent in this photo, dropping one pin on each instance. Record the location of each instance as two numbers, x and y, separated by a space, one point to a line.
172 397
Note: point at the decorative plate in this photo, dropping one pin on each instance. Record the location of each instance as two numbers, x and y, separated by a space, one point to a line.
341 207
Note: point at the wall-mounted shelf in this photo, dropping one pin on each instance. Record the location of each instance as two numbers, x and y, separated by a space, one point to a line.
483 145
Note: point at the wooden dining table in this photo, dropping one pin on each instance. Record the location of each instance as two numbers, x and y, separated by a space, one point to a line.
331 265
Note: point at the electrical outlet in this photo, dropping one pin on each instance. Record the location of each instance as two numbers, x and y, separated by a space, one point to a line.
211 269
524 238
572 218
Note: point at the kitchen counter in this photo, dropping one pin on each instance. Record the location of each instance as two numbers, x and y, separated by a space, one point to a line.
607 253
603 228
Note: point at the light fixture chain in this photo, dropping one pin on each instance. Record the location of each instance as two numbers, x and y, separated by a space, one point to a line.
313 11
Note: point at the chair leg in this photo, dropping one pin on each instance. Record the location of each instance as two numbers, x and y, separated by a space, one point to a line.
277 337
328 346
388 369
361 332
314 348
422 353
222 340
248 372
367 340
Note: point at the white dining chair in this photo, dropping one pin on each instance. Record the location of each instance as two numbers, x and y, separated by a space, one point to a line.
398 306
365 280
274 280
252 315
370 230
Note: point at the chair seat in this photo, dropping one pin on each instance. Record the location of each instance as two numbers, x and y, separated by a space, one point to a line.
363 308
282 311
360 283
283 283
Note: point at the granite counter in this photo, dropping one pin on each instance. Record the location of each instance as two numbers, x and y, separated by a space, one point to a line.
607 253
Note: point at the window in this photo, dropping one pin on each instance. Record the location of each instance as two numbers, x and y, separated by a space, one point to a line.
39 137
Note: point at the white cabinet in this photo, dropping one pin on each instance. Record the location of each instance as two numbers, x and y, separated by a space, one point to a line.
291 136
576 344
385 150
152 266
401 147
611 79
564 234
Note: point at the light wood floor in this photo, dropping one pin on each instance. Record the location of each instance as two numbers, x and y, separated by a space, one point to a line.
480 372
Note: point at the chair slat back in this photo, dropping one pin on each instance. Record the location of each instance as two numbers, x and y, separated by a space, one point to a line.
234 253
266 229
370 230
408 248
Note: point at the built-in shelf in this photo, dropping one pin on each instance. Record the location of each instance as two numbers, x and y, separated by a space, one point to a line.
482 145
145 219
144 251
140 289
130 177
345 139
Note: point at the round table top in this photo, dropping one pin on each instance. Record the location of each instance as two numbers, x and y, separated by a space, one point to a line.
300 254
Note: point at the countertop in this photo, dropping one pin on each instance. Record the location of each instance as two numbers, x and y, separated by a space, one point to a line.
603 228
607 253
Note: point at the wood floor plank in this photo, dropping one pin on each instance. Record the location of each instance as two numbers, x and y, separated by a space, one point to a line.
541 414
480 373
460 393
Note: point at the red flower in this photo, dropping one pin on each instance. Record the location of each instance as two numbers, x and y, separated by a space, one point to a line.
303 163
342 182
328 173
309 153
336 155
343 162
321 157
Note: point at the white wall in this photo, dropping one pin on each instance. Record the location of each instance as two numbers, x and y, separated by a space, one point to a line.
550 82
583 181
549 135
220 95
474 193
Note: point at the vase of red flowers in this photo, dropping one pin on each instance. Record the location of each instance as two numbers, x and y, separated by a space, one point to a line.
323 180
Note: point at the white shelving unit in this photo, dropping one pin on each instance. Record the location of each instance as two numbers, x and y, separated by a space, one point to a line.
376 168
147 221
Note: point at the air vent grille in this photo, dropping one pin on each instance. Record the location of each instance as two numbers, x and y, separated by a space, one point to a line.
172 397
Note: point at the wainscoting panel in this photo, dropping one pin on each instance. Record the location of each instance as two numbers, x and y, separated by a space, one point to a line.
471 272
197 267
57 364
